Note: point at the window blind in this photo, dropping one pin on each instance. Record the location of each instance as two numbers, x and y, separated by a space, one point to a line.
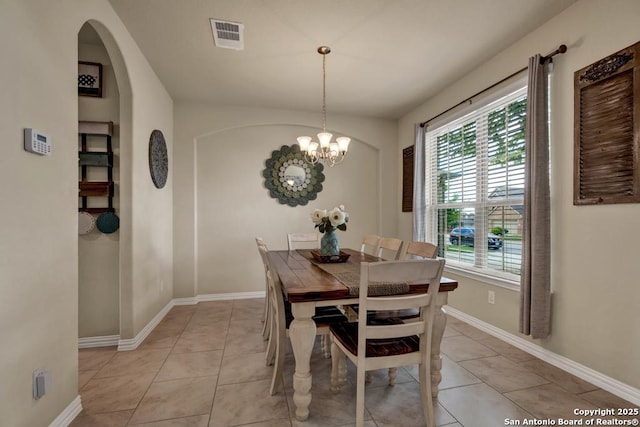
475 176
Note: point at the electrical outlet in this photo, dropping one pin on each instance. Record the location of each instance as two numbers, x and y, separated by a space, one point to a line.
161 285
491 297
41 383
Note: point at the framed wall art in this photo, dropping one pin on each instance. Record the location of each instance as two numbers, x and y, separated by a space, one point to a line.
90 79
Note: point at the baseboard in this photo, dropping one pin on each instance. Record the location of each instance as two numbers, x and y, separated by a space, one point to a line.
104 341
133 343
218 297
232 295
620 389
68 414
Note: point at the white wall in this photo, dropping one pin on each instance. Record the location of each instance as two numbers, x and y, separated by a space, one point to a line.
38 231
595 271
221 198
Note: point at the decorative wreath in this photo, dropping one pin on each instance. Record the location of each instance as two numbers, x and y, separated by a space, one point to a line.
287 191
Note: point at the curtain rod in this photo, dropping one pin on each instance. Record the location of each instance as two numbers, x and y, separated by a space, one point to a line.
561 49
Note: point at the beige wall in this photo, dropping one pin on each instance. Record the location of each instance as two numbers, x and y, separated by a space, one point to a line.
39 239
221 198
595 272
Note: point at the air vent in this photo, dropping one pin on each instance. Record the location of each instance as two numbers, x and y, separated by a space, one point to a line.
226 34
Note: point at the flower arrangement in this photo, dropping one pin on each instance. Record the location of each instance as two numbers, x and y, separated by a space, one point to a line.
326 221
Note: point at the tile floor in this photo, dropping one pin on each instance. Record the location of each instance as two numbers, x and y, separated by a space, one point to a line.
203 366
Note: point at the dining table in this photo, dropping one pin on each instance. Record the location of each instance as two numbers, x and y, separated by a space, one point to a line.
308 282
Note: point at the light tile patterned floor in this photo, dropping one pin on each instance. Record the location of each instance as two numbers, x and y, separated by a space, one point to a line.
203 366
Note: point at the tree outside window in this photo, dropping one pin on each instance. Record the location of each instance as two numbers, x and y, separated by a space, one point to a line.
476 177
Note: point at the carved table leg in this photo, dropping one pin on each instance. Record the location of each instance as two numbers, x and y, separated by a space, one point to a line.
440 322
302 333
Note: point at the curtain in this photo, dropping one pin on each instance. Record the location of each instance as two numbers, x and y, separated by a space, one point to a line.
535 278
419 186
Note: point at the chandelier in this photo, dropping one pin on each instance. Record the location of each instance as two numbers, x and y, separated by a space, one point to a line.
325 151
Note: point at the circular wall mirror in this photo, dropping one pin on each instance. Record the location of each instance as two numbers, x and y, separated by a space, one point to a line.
290 179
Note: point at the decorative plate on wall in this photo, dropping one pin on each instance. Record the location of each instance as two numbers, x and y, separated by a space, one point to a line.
290 179
158 159
86 222
108 222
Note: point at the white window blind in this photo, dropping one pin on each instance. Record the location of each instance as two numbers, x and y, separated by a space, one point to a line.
475 186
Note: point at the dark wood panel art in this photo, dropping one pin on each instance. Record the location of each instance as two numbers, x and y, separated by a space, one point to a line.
607 130
407 179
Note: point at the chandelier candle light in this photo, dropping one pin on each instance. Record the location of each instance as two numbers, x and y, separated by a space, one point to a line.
327 152
327 222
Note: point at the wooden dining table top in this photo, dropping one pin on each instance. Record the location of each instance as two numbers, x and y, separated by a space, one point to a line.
302 280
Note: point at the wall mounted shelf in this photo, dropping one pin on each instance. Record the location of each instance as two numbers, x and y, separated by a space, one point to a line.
100 159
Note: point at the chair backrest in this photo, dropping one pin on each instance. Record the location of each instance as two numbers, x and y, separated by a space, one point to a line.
413 250
275 289
370 244
262 244
390 248
404 271
303 241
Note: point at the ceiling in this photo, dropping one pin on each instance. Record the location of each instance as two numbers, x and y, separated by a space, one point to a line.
388 56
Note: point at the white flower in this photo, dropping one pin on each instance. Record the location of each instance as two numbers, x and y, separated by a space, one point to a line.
336 217
318 215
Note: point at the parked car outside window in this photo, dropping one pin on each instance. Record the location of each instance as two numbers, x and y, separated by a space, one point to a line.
465 236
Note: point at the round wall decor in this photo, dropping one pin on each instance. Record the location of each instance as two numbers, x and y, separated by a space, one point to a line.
86 222
290 179
108 222
158 159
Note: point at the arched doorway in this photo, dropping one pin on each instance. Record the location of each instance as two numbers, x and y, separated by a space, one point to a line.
104 270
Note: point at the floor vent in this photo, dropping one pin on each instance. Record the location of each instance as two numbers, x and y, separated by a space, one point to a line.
227 34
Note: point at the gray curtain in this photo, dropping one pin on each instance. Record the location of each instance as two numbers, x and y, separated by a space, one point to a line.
419 187
535 280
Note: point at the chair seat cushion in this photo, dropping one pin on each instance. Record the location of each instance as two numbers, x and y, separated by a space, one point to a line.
404 314
347 334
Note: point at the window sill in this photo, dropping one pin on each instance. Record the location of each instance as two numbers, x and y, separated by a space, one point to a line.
481 276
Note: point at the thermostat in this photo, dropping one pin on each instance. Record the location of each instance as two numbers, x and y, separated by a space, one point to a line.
37 142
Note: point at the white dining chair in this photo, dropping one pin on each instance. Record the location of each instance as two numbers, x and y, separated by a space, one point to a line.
417 250
370 244
266 315
410 250
390 248
378 345
303 241
281 318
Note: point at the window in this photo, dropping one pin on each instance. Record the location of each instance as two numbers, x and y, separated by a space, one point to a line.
475 187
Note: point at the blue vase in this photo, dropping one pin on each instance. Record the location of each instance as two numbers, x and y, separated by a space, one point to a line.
329 244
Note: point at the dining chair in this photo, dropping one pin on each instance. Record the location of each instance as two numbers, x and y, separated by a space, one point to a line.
389 344
413 250
281 318
266 315
410 250
303 241
390 248
370 244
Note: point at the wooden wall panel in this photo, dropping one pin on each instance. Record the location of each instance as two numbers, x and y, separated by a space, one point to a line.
607 119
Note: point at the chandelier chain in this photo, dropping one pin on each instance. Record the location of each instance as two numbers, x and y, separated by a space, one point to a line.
324 93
